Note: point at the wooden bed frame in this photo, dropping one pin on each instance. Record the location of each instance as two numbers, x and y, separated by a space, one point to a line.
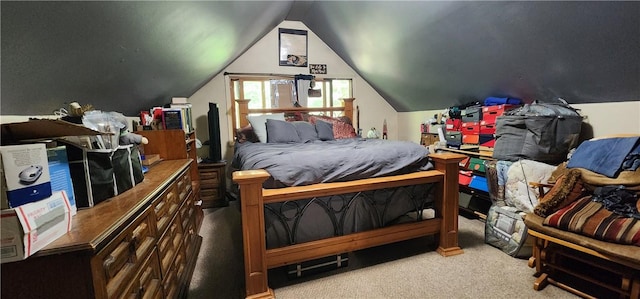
257 259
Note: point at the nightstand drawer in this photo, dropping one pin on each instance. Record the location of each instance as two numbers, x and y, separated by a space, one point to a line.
209 175
213 193
212 184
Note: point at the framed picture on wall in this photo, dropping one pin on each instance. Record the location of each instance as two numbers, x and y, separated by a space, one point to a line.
293 47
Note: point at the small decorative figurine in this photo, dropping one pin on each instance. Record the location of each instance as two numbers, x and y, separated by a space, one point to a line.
373 133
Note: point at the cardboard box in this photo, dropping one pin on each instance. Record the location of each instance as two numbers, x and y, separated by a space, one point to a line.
434 128
472 114
464 177
490 113
30 227
453 124
479 182
60 174
470 138
470 128
487 128
25 173
43 129
453 137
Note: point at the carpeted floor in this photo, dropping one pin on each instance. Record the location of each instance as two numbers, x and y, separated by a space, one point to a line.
410 269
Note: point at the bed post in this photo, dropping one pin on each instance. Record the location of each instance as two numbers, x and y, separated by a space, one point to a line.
253 232
348 108
243 111
447 202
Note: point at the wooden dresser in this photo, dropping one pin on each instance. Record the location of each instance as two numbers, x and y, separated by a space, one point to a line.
142 243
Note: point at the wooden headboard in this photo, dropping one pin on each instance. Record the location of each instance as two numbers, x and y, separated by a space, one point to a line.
243 109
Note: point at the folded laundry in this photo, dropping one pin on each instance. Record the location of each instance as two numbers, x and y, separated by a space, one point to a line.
618 200
605 156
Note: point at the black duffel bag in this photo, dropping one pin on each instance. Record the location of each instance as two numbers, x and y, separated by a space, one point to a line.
543 132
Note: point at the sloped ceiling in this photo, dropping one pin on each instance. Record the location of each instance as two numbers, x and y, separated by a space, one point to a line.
427 55
122 56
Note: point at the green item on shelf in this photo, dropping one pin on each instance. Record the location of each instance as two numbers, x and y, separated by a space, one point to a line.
476 164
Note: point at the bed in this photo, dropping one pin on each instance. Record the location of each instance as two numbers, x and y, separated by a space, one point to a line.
324 208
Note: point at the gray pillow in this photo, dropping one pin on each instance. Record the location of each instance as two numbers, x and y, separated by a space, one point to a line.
306 131
258 122
325 130
280 131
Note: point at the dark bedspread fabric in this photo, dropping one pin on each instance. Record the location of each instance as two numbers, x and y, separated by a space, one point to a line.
297 164
294 222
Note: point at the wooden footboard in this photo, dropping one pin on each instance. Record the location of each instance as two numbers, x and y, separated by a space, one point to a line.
253 197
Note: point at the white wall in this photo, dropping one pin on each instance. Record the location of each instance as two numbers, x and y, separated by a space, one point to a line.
263 58
604 119
612 118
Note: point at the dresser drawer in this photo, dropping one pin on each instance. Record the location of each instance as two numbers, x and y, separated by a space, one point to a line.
122 258
148 281
185 215
164 208
169 244
170 285
184 185
180 264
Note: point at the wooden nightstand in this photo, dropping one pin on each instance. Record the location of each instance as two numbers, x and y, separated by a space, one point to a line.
213 184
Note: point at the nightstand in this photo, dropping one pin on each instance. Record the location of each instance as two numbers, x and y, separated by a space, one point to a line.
213 184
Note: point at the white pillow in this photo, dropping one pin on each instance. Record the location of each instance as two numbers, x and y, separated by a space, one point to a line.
259 124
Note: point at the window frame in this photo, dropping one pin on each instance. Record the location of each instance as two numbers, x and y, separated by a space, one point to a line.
237 92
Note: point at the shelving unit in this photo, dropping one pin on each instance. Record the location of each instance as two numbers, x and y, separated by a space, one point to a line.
473 200
176 144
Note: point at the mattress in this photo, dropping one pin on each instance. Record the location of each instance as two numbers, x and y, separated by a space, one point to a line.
298 164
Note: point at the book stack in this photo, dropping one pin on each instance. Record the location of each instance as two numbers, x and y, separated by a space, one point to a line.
179 107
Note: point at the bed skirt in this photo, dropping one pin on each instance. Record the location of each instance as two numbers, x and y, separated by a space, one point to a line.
304 220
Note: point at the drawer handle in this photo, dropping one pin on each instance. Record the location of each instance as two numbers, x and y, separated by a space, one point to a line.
170 196
145 278
139 233
116 259
159 206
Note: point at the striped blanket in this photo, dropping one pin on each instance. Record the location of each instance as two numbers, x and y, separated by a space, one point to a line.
590 218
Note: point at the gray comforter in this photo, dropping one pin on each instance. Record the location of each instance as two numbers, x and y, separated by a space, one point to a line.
297 164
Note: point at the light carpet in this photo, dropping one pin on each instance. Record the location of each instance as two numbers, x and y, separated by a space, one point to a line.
409 269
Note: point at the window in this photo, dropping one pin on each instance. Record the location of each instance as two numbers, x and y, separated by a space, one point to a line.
280 91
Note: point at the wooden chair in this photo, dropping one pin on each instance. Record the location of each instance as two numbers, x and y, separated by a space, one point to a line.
579 264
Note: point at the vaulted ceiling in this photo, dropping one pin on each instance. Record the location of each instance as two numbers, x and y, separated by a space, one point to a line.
418 55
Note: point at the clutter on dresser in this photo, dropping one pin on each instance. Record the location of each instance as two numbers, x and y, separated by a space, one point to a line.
99 167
